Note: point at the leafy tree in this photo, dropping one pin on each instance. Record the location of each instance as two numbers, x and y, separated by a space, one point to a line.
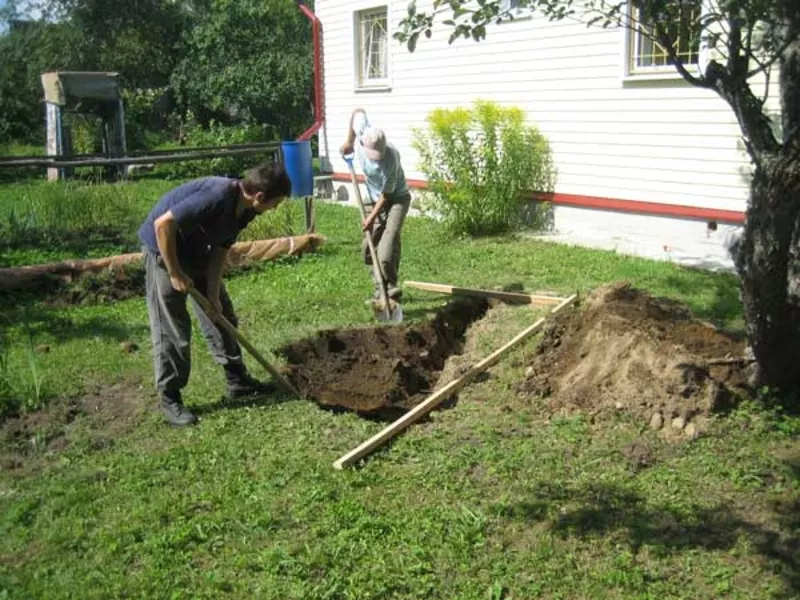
247 58
30 48
751 39
137 38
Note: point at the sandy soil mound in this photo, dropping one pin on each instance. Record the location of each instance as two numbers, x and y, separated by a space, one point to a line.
380 372
627 350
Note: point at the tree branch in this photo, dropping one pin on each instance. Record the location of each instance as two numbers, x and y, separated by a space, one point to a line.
776 56
661 36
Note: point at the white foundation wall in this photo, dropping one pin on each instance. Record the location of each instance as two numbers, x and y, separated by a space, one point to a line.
687 242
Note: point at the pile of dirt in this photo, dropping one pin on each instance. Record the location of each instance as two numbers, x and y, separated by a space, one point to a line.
627 350
95 419
381 372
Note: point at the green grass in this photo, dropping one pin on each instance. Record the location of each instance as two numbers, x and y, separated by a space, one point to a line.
44 222
487 500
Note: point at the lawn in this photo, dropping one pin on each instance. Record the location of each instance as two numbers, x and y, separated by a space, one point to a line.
489 499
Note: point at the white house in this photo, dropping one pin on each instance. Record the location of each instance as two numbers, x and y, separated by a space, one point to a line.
647 164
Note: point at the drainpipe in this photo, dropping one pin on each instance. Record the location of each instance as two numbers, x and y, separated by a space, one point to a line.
319 105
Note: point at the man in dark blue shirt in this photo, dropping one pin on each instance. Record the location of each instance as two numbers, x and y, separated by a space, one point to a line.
186 238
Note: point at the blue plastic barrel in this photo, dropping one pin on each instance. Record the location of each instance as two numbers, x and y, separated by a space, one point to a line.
297 161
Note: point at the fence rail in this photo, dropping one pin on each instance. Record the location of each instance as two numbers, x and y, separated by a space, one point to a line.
136 158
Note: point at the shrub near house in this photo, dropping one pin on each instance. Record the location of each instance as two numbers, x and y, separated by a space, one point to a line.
479 162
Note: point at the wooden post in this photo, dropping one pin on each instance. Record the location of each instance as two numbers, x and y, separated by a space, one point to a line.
444 393
309 213
519 297
55 143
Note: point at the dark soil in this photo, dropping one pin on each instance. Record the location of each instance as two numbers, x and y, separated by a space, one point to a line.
381 372
108 285
627 350
93 421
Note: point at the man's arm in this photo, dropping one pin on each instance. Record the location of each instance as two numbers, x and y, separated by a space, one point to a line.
166 238
347 147
216 264
369 220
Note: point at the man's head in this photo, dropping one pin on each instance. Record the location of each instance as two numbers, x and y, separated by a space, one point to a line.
264 187
373 140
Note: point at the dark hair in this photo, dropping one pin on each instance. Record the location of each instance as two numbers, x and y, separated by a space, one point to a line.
270 178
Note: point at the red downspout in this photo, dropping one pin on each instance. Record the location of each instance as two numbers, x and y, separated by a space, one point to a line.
319 105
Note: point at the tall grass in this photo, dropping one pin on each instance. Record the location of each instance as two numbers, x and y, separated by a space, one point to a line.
43 222
56 213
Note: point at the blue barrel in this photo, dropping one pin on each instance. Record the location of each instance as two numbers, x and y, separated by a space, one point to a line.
297 161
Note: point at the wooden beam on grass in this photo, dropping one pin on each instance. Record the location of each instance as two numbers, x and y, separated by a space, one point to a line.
518 297
444 393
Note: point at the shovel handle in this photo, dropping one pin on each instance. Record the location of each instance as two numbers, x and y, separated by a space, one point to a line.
376 267
228 326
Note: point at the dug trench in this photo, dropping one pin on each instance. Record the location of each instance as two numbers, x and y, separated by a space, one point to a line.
380 373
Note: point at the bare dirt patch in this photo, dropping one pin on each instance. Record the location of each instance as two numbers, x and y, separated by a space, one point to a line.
627 350
380 372
96 419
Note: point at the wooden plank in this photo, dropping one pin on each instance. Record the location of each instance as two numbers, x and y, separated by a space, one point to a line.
520 297
444 393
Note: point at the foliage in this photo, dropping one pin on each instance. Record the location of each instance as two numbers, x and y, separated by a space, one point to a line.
147 117
137 38
28 50
233 62
194 134
248 60
479 163
22 386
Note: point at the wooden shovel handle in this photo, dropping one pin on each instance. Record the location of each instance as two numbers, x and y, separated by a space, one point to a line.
228 326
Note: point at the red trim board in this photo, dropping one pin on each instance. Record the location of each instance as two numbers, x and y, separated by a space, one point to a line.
612 204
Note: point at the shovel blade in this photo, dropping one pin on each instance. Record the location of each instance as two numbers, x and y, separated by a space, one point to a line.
395 312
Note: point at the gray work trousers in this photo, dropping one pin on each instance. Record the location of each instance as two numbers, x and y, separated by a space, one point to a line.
171 327
386 234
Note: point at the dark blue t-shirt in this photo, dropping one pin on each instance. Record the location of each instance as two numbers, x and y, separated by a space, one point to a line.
205 214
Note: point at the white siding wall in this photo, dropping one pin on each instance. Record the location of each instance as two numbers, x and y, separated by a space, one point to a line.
647 140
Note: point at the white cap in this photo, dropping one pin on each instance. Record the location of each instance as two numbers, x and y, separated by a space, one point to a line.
373 140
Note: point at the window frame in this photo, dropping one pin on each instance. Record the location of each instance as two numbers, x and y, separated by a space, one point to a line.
666 72
520 13
361 83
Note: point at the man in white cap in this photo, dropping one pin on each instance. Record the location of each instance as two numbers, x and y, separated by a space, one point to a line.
389 198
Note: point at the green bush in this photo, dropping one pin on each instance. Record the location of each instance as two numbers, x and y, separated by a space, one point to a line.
480 163
216 134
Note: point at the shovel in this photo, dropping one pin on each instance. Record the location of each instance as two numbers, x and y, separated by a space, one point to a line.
388 310
228 326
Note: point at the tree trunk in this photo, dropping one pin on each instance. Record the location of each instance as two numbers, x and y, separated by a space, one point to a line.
768 263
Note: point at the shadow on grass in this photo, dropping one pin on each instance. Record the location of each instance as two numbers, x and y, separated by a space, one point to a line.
726 305
41 321
258 401
602 509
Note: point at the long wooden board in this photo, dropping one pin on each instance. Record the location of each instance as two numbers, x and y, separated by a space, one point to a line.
444 393
520 297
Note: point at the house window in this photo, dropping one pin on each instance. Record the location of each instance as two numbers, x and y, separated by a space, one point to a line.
509 5
372 48
513 7
683 23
